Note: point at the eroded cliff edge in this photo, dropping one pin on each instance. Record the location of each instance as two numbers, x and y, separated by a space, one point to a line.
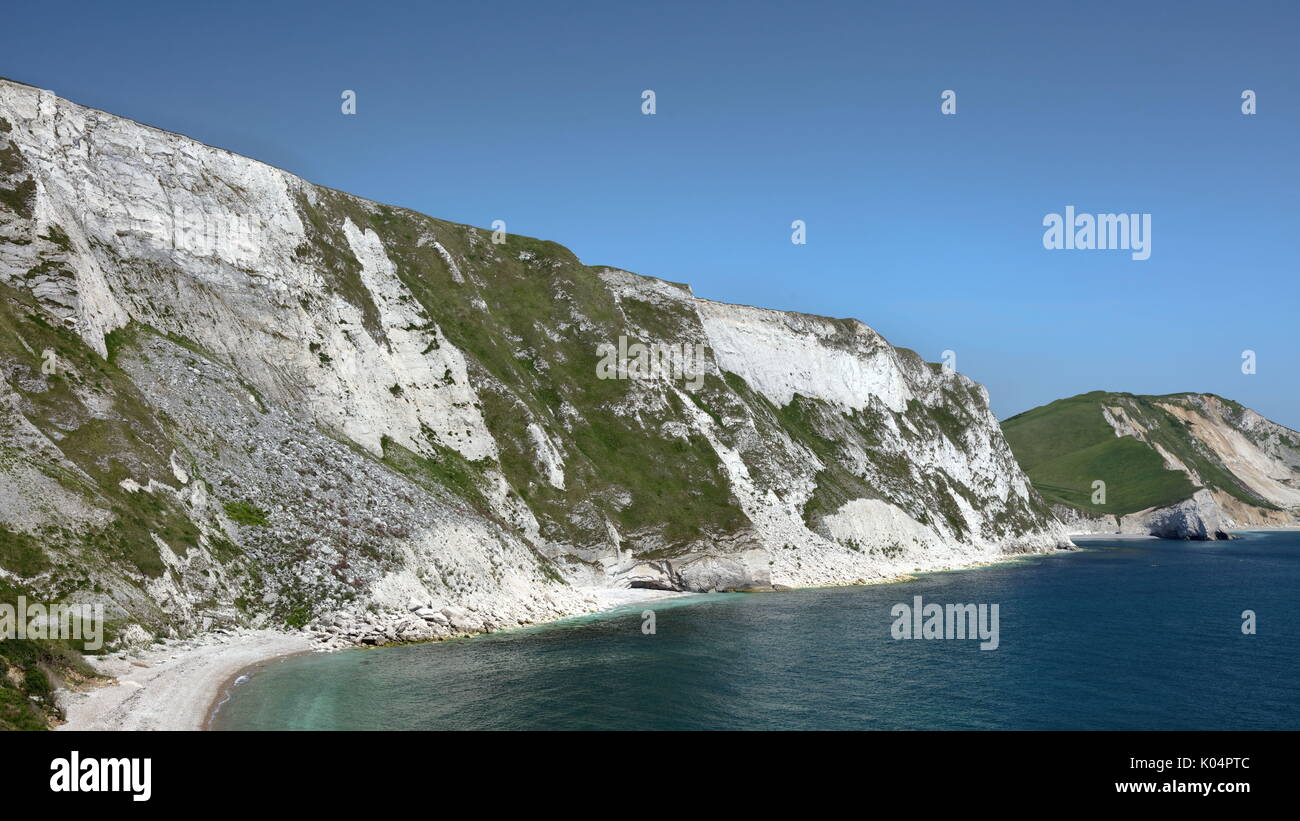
1179 466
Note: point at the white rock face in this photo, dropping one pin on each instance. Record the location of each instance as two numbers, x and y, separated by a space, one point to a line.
383 425
1267 469
1118 418
432 391
1196 518
808 355
161 222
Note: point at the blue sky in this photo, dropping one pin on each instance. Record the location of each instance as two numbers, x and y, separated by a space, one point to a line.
926 227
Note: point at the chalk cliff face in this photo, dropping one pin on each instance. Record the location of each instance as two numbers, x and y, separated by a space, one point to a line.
231 396
1181 466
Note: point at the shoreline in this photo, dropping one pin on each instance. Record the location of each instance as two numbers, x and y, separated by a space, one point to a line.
182 685
1147 536
622 598
227 686
171 686
1264 529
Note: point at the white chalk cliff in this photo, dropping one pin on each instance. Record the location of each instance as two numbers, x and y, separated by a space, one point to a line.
274 403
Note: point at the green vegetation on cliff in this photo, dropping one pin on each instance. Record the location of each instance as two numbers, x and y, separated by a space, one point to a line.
30 669
1067 445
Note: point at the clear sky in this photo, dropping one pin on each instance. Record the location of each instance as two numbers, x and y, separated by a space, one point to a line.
926 227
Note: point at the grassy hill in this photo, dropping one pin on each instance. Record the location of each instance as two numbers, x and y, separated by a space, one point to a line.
1066 445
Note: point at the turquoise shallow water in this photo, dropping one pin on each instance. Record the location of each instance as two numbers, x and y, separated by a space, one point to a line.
1127 635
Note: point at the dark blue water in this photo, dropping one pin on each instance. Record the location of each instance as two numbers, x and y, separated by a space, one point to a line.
1126 635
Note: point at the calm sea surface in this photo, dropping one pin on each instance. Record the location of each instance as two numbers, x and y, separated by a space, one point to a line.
1124 635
